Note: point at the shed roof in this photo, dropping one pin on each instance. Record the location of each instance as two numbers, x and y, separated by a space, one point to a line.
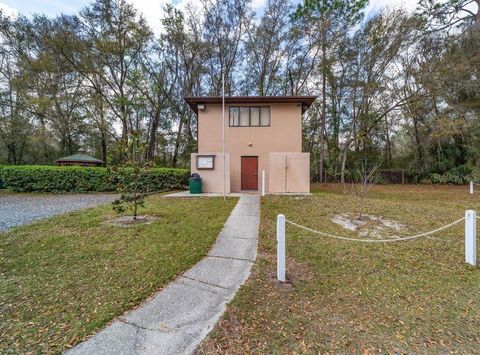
305 101
80 157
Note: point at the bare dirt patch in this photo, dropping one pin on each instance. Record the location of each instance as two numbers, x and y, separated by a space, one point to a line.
127 221
368 225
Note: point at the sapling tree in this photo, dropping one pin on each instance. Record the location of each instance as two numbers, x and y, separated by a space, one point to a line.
130 176
364 176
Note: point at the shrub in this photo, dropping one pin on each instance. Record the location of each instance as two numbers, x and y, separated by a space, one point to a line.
36 178
436 178
458 176
475 175
131 176
1 181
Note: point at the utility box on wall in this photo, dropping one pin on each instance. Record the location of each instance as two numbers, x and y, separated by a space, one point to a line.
289 173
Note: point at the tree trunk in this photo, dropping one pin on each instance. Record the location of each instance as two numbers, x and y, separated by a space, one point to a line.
344 163
11 156
152 139
417 142
177 143
44 138
388 147
103 136
324 109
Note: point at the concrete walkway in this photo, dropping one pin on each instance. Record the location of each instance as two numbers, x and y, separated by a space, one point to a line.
181 315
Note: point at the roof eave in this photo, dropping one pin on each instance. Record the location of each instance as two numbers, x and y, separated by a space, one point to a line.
193 101
79 161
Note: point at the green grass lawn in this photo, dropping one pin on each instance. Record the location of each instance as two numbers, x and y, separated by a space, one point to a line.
406 297
64 278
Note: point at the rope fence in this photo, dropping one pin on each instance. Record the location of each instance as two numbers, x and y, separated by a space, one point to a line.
390 239
470 219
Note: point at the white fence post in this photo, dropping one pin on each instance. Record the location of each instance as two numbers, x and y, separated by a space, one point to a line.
471 187
470 237
263 182
281 248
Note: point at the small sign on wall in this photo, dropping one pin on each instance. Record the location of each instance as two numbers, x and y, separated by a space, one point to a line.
205 162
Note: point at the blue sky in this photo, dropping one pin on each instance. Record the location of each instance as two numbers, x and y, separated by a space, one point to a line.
49 7
151 9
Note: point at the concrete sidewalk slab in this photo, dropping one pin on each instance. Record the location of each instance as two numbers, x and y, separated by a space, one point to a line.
227 273
121 338
235 248
182 314
248 209
249 199
161 313
245 226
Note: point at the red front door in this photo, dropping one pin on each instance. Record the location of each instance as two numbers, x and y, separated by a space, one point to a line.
249 173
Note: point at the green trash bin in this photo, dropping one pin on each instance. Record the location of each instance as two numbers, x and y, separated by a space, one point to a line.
195 184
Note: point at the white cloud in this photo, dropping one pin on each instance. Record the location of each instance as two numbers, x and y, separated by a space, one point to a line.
152 10
8 10
258 4
376 5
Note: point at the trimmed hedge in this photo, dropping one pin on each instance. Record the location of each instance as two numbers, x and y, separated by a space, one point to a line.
39 178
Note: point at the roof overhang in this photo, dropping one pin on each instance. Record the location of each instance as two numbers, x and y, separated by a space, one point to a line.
79 161
304 101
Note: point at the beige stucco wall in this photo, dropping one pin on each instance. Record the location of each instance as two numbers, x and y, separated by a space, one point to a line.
289 172
212 180
283 135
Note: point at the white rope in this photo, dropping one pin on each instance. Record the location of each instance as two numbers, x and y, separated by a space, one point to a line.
393 238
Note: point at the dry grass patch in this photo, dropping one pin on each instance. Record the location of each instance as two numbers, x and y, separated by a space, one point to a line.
348 297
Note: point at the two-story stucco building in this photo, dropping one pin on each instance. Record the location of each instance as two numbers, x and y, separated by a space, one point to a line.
260 133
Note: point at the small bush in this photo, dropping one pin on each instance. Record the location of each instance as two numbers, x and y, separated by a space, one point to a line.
1 181
475 175
460 175
436 178
36 178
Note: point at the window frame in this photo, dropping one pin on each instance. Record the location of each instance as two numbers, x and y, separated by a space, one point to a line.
269 116
240 116
231 120
259 116
231 123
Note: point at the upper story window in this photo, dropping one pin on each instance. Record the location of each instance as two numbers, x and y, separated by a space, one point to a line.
253 116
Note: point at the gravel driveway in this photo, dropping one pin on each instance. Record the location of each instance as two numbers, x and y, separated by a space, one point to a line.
18 209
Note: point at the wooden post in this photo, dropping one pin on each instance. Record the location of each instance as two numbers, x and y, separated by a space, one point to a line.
470 237
471 187
281 248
